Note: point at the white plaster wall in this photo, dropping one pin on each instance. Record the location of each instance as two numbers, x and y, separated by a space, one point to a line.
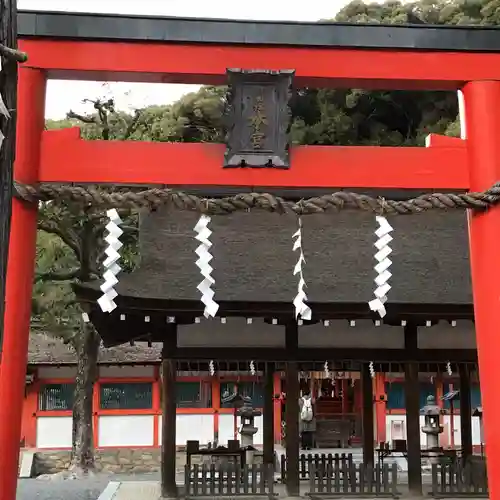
476 435
197 427
46 372
126 371
54 432
226 429
126 430
388 427
476 430
339 333
235 332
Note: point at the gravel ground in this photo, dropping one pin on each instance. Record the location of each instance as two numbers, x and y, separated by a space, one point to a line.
78 489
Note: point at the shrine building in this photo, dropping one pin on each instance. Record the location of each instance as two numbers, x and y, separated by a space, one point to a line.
127 396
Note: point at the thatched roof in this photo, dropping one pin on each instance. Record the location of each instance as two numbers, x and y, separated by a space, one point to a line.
47 350
253 258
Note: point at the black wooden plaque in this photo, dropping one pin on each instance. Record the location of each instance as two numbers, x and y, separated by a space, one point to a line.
258 118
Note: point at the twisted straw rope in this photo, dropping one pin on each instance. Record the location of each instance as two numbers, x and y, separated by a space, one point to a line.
155 198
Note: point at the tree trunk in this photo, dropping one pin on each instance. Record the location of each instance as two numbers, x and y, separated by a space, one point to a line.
8 90
87 348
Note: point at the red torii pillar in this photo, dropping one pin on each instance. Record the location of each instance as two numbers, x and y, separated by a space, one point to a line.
482 119
20 269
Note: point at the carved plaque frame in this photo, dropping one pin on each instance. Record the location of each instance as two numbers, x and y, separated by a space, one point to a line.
258 118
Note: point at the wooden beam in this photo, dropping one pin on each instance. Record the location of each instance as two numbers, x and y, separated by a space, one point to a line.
207 64
314 354
184 164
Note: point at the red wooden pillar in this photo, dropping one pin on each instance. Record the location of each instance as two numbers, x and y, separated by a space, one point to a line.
216 407
156 406
30 125
482 117
380 407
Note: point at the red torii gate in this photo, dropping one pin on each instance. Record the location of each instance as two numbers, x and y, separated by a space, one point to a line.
77 46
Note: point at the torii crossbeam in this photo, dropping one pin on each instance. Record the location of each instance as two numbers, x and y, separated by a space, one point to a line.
106 47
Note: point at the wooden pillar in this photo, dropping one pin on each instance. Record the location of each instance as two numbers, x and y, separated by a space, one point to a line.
345 399
8 88
268 416
412 399
277 406
482 102
367 420
292 412
20 270
168 434
465 412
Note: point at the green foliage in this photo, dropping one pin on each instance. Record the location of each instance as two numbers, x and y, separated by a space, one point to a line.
53 306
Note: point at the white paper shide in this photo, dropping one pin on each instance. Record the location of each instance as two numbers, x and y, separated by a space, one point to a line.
203 234
382 267
302 310
112 269
371 368
3 111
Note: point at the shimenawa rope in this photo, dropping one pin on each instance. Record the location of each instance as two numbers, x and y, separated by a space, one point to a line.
89 196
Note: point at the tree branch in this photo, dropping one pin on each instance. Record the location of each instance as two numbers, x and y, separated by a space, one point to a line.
58 276
51 229
133 124
13 54
82 118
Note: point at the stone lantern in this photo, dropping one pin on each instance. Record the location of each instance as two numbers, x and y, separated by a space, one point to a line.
432 426
247 413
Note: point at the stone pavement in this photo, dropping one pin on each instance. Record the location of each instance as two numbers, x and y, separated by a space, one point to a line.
133 487
78 489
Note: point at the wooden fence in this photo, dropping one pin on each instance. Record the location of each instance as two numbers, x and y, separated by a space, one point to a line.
348 479
229 480
307 462
458 479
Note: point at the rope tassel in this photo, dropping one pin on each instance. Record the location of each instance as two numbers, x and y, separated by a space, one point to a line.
382 267
203 263
106 301
301 308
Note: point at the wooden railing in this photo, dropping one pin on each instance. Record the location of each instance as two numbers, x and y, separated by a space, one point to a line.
229 480
458 479
339 479
306 462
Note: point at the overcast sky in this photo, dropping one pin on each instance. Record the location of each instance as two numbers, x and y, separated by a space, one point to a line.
63 95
